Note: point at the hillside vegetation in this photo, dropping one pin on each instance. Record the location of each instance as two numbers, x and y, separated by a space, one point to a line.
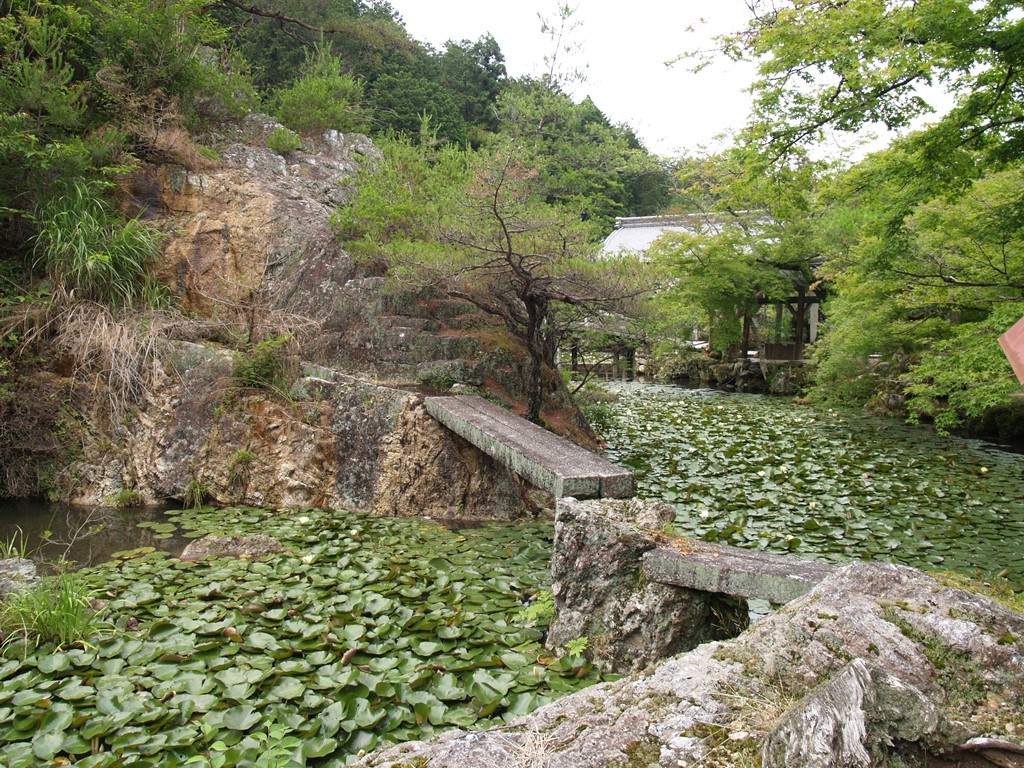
495 191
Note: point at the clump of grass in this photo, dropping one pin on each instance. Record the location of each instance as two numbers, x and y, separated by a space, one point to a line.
127 497
58 610
15 546
195 493
240 466
90 251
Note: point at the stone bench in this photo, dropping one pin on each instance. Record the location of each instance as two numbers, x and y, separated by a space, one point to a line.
550 462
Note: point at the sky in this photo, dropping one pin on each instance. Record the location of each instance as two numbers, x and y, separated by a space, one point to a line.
624 48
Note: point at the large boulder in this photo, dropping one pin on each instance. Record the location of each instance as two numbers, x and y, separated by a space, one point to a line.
255 547
602 594
879 665
16 574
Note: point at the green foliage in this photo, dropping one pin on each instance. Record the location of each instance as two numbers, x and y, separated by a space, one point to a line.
474 73
577 646
37 79
322 98
921 242
539 612
584 162
262 367
848 65
282 140
195 493
397 203
91 253
58 610
404 100
476 226
597 405
154 54
931 282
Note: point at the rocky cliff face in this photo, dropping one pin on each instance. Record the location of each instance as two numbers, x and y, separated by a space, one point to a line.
250 250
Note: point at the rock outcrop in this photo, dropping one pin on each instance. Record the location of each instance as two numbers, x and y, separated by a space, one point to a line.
256 546
335 441
601 593
879 665
16 574
428 470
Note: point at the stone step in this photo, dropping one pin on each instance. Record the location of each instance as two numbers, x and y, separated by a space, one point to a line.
733 571
548 461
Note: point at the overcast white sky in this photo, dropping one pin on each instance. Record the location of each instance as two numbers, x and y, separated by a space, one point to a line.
625 46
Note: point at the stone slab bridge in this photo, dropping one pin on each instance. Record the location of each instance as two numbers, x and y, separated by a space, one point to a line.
547 460
566 470
640 593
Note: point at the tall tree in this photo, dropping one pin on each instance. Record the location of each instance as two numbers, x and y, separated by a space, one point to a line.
477 227
920 297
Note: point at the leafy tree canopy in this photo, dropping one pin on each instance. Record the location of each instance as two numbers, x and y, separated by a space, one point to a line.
476 226
849 64
921 242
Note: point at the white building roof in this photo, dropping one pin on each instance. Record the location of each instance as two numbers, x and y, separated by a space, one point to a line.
637 234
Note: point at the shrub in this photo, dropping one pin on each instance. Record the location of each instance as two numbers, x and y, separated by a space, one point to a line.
322 98
282 140
263 366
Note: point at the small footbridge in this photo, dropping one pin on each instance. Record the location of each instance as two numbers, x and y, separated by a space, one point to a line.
564 469
550 462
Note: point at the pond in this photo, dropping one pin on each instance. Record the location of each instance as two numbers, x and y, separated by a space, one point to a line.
767 473
365 629
84 535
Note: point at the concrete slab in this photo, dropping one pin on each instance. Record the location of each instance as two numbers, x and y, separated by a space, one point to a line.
545 459
733 571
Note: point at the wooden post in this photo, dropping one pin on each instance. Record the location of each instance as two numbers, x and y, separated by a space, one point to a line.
799 322
746 336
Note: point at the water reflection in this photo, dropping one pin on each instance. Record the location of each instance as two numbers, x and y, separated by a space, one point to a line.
85 535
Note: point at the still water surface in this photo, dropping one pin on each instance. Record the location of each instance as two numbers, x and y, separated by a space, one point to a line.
766 473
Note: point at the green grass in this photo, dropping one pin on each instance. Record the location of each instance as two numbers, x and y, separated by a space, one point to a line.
15 546
58 610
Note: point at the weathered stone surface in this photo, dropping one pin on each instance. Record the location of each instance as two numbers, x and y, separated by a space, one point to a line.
877 665
243 446
428 470
601 593
255 223
734 571
256 546
17 573
547 460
